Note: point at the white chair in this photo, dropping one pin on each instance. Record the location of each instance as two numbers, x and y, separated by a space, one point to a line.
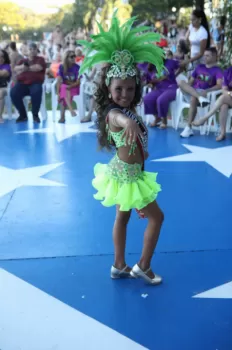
229 121
79 99
181 104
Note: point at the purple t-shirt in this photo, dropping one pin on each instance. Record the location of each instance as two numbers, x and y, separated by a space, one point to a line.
205 78
5 67
227 79
71 75
170 81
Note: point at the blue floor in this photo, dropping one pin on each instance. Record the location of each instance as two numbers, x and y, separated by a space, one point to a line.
55 236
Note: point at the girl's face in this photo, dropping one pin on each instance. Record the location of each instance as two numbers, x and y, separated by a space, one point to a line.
123 91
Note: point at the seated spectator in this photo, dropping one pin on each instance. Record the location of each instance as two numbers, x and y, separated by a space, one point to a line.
53 70
182 50
79 55
157 101
30 75
223 103
5 75
94 79
24 49
146 71
68 84
205 78
169 55
58 51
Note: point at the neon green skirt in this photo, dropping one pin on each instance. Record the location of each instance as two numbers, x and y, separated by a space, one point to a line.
123 184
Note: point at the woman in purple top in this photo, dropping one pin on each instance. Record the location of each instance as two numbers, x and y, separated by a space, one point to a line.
68 84
223 103
165 86
5 74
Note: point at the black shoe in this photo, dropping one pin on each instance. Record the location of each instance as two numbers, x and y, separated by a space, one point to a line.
21 119
36 119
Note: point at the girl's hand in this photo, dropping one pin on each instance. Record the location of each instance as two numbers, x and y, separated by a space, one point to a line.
131 132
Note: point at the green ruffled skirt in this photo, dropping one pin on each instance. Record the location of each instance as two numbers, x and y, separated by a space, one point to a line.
123 184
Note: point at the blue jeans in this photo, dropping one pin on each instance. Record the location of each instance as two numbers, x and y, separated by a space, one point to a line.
19 91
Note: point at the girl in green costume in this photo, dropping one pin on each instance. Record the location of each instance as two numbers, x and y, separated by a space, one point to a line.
123 182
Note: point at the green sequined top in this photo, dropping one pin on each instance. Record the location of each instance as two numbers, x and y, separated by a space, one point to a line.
119 141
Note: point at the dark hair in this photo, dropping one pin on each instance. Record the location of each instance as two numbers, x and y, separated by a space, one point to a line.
183 46
213 50
13 46
102 104
60 46
223 21
5 56
33 46
201 14
169 53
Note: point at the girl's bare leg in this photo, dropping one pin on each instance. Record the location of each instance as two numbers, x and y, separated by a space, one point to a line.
69 103
155 219
119 238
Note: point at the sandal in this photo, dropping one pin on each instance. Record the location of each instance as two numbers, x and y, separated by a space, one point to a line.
136 272
163 126
116 273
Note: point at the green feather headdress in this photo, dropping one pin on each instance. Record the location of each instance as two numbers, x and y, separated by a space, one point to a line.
122 47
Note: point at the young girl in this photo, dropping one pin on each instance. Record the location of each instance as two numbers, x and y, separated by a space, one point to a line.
123 182
68 83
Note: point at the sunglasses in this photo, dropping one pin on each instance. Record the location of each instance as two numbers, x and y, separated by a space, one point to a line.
73 56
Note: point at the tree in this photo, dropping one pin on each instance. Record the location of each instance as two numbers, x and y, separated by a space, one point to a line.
145 9
11 17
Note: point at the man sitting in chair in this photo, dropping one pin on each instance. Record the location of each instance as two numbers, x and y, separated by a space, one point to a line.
30 74
205 78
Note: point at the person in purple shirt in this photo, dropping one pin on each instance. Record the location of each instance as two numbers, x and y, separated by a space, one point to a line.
68 84
223 103
205 78
5 75
157 101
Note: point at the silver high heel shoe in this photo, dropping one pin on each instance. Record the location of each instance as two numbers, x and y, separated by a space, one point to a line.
136 272
116 273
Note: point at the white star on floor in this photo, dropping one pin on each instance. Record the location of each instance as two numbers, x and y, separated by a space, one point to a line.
62 131
11 179
219 158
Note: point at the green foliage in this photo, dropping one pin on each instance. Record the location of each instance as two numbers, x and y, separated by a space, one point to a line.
156 9
227 11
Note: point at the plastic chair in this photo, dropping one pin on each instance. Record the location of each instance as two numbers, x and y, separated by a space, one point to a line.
181 104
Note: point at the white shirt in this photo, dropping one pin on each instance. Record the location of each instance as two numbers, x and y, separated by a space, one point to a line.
195 38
